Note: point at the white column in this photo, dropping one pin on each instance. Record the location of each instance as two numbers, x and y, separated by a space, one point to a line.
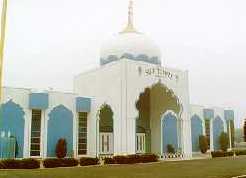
211 135
44 133
27 135
230 143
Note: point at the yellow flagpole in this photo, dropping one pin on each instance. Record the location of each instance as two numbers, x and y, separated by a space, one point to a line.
2 40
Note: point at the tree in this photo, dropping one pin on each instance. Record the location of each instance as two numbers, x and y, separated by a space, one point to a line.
61 148
203 143
170 149
224 141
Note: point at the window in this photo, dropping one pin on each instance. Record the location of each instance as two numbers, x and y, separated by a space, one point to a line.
140 144
106 143
82 133
35 133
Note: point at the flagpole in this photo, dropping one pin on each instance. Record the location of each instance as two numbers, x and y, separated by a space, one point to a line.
2 40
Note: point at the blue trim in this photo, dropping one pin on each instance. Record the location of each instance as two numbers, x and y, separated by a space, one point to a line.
196 131
140 57
39 101
218 128
229 115
169 132
13 121
208 113
83 104
60 125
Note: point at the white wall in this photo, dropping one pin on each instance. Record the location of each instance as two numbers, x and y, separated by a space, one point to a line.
20 96
119 85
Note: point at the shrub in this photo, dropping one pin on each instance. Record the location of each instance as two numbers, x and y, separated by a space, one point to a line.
240 152
221 154
131 159
88 161
2 166
19 164
30 164
11 164
203 143
146 158
121 159
224 141
61 148
65 162
170 149
108 161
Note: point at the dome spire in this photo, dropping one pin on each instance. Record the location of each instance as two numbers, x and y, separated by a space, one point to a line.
130 27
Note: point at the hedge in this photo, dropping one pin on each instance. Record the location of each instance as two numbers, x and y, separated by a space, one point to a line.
19 164
240 152
131 159
56 162
109 161
221 154
88 161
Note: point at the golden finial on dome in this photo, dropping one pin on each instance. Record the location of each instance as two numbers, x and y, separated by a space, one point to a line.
130 28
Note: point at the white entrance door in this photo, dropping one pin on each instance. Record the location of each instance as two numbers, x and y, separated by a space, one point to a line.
140 143
106 143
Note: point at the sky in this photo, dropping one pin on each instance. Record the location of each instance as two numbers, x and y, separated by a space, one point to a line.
49 42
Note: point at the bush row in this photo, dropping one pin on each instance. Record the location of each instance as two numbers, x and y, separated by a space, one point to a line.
131 159
88 161
229 153
221 154
19 164
63 162
69 162
240 152
47 163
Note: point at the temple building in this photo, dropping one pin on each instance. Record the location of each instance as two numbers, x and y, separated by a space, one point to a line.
131 104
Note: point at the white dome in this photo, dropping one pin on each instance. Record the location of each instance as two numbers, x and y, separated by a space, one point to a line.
131 45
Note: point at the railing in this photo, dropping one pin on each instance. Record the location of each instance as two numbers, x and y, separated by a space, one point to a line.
172 156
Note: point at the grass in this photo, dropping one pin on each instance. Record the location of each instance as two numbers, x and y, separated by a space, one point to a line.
213 168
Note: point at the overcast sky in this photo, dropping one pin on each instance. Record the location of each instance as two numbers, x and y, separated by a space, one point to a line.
50 41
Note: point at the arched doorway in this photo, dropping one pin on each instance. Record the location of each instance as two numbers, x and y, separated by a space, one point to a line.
169 132
106 130
218 128
152 104
60 125
196 132
13 123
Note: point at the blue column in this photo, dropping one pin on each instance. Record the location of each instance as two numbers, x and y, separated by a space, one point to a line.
218 128
196 131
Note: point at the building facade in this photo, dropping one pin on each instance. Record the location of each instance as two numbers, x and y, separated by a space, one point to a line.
130 104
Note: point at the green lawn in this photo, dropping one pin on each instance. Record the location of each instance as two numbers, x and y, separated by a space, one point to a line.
221 168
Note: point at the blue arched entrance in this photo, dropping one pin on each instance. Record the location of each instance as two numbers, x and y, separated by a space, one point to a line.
169 132
60 125
196 131
13 122
218 128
